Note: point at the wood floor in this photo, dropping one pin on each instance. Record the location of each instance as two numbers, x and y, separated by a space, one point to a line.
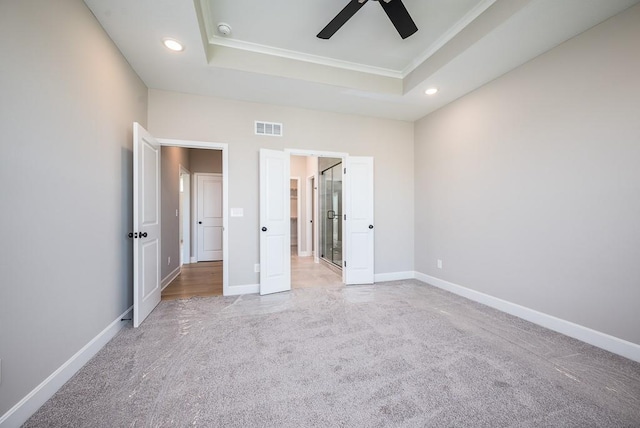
201 279
204 279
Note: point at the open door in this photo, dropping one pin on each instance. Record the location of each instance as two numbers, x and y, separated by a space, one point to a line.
275 261
146 224
359 260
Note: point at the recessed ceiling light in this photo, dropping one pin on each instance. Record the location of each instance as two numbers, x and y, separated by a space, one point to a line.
431 91
173 45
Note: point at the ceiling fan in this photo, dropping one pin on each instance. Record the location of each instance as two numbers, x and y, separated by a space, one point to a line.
395 10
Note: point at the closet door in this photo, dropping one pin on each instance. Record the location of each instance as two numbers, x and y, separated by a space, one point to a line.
359 260
275 229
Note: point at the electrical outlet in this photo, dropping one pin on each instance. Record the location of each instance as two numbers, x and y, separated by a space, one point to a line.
168 260
176 213
256 267
439 264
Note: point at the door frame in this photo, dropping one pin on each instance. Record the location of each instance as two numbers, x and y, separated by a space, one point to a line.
310 218
224 147
185 225
298 212
324 154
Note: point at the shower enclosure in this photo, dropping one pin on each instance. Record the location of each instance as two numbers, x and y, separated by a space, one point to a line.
330 201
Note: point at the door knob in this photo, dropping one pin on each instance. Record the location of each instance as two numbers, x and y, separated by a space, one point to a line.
264 229
199 222
143 234
370 226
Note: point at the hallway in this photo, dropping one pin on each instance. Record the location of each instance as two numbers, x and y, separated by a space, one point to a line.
204 279
201 279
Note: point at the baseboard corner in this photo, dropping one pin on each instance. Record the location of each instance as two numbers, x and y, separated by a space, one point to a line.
170 277
25 408
588 335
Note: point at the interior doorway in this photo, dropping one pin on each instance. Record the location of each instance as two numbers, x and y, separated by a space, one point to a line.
309 265
357 220
194 216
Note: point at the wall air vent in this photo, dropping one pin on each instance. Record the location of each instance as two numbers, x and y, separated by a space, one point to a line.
269 128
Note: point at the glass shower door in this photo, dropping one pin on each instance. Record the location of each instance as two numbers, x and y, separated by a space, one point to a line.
331 210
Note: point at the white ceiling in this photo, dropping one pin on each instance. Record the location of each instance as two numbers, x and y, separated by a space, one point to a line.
273 55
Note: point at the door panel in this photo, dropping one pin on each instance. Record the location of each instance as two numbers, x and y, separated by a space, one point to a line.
360 232
275 231
209 216
150 280
146 224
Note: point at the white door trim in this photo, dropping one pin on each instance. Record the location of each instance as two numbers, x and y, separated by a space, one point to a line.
185 226
309 217
299 218
224 147
316 153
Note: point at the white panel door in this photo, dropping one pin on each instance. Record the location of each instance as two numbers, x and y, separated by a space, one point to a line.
359 261
146 224
209 217
275 231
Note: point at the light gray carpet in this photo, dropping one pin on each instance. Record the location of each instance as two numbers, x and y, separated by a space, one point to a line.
394 354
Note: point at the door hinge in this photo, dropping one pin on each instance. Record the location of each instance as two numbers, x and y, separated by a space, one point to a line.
345 170
345 263
345 216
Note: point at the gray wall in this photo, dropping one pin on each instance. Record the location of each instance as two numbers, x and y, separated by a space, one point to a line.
172 158
68 102
528 189
390 142
203 160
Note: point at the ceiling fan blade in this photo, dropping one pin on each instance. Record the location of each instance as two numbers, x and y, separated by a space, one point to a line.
345 14
400 17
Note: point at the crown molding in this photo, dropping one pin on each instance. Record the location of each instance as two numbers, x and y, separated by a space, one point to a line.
300 56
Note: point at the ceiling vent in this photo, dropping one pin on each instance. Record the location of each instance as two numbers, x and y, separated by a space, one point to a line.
269 128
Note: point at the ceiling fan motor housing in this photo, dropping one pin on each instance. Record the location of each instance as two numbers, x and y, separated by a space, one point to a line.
394 9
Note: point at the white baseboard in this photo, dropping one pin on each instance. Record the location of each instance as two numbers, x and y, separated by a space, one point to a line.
167 280
26 407
394 276
304 254
236 290
585 334
194 260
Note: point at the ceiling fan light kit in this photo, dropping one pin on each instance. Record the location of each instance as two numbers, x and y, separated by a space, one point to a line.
394 9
